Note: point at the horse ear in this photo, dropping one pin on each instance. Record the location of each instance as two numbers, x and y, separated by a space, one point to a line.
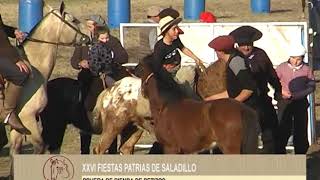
62 6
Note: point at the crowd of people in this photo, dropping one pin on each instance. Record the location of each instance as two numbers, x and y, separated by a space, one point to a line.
249 71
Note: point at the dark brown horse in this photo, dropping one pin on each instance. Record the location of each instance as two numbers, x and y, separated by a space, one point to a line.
183 125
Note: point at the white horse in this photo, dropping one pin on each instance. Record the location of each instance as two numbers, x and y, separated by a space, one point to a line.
56 28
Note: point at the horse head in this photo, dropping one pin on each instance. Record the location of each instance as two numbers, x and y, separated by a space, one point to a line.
145 73
59 168
58 27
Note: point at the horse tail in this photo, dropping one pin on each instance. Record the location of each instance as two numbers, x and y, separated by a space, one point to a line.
250 130
95 118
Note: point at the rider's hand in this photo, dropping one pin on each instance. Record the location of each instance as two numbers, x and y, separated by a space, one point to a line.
286 94
84 64
22 66
169 67
19 35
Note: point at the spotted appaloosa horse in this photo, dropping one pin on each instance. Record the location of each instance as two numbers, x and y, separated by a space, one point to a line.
66 106
115 108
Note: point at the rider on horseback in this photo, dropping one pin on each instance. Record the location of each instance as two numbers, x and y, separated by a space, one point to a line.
91 84
13 69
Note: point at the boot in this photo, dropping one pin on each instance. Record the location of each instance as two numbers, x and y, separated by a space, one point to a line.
8 111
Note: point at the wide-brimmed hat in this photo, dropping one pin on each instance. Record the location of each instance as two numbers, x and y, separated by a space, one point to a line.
167 22
222 43
97 19
153 11
169 12
246 35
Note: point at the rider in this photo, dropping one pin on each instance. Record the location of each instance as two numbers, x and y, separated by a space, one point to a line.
167 59
91 85
13 69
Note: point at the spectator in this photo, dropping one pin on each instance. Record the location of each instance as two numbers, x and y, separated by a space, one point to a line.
240 83
263 73
297 82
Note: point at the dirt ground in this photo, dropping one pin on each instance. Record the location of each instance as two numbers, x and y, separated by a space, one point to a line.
224 10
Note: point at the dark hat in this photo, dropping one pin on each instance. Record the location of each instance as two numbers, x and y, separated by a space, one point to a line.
246 34
167 22
169 12
97 19
222 43
153 11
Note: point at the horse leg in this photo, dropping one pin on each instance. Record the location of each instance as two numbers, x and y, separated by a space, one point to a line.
16 140
250 132
109 133
128 146
105 141
30 122
85 141
3 136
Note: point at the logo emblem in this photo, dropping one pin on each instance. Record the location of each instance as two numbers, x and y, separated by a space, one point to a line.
58 167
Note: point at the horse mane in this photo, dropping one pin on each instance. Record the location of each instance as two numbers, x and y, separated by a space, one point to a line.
167 87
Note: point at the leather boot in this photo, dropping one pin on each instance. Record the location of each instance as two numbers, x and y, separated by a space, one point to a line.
8 114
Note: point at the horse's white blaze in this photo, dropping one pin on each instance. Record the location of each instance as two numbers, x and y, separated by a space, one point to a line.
127 89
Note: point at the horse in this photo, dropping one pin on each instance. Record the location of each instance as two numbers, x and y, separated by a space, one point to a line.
124 103
66 106
59 169
183 125
116 107
56 28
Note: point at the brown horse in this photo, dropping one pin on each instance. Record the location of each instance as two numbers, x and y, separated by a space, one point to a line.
183 125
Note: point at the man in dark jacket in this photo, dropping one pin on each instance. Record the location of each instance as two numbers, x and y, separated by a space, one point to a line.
264 73
240 81
13 69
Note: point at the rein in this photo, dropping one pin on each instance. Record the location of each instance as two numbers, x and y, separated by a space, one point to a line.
83 38
148 78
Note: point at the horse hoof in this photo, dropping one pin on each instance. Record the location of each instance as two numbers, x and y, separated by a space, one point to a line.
96 150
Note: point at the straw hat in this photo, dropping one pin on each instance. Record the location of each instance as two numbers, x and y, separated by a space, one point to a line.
167 22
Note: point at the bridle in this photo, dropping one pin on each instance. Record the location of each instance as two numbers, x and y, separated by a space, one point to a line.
84 37
144 83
